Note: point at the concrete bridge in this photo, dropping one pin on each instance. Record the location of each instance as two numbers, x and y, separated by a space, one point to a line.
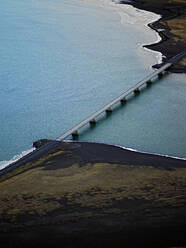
92 118
122 98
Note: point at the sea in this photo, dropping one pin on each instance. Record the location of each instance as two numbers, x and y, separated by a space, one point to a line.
62 60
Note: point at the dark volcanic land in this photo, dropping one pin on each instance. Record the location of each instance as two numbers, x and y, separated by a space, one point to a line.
94 195
171 28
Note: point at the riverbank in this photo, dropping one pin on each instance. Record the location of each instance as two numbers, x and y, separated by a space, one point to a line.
171 28
96 195
93 195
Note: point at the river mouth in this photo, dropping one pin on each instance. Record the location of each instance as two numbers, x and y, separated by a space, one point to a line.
58 71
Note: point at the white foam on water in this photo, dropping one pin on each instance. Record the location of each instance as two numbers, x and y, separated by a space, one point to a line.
141 19
138 18
129 16
15 158
126 148
157 154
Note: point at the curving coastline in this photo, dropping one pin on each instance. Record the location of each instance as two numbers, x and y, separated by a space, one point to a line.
167 14
171 27
79 194
85 194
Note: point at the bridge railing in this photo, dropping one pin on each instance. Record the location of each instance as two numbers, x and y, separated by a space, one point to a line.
122 98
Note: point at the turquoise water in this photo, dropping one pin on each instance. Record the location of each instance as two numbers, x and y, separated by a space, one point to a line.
153 121
61 60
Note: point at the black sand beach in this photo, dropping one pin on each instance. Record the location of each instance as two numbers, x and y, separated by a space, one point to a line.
95 195
171 28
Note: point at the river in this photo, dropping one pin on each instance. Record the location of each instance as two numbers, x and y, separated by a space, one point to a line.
62 60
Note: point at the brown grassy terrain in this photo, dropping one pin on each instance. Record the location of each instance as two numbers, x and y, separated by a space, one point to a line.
98 186
48 192
178 30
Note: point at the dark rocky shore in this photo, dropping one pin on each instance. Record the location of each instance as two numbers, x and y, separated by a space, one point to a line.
93 195
171 28
96 195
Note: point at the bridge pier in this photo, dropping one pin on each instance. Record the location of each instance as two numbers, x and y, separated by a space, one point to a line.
109 110
160 75
122 97
123 100
92 122
136 91
149 82
75 134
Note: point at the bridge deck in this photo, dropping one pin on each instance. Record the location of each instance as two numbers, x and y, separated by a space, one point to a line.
133 89
36 153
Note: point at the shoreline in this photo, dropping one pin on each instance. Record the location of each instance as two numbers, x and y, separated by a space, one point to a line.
99 190
131 17
12 163
14 158
88 194
170 44
133 156
127 149
139 5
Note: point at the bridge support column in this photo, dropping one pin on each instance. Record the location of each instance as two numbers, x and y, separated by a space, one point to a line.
109 110
92 122
136 91
160 75
123 100
149 82
75 134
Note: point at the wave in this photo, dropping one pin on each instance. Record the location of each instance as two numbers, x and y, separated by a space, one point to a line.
129 15
4 164
129 149
140 19
150 153
15 158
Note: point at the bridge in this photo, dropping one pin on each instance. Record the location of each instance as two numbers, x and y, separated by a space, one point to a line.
92 118
122 98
